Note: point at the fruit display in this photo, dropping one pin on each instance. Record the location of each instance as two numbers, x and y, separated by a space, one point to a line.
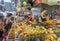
51 22
25 30
49 30
11 35
58 21
50 37
47 19
58 39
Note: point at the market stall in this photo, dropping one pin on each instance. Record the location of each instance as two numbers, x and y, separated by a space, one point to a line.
43 31
22 31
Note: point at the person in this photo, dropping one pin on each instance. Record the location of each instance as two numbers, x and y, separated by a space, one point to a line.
37 2
43 14
58 14
30 15
52 15
31 2
17 15
1 25
30 18
22 12
9 21
4 35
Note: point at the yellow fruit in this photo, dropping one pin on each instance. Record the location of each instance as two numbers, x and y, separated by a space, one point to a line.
47 19
24 3
58 39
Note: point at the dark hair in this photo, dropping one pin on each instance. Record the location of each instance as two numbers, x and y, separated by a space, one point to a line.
29 8
12 18
44 9
9 14
1 16
18 13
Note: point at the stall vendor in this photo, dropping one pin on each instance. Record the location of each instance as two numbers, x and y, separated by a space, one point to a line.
43 15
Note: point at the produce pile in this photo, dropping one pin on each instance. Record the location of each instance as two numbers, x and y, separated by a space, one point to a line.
25 30
50 37
51 22
22 29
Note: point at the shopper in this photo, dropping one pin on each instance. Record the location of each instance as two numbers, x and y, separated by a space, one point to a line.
1 25
37 2
30 15
9 21
43 15
52 16
4 35
22 12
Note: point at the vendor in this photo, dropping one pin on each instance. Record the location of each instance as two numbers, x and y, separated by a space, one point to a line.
43 14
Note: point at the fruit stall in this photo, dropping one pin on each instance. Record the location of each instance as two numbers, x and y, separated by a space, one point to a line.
46 31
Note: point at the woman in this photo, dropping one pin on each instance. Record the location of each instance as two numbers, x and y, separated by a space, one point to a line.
9 21
43 15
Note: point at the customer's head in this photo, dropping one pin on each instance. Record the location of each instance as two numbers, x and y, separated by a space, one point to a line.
9 14
44 9
23 8
17 14
29 9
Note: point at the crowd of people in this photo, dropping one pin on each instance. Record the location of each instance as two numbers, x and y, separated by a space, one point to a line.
5 25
